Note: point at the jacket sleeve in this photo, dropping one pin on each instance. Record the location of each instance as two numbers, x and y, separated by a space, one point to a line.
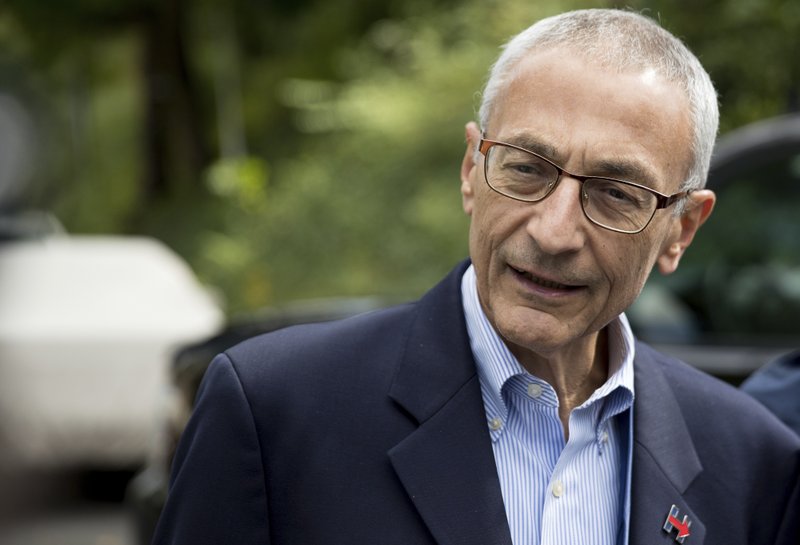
217 488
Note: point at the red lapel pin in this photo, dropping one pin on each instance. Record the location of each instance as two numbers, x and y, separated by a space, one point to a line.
672 523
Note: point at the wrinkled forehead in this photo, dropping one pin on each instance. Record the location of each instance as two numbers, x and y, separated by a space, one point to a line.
610 58
605 66
555 92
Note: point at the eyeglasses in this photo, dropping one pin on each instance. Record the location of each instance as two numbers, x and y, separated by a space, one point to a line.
616 205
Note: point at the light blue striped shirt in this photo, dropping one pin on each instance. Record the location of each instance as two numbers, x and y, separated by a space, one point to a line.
556 492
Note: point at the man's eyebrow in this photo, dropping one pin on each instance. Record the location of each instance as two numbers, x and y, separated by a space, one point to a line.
626 170
535 145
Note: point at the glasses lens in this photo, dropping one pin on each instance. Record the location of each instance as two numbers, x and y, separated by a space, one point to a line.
519 174
618 205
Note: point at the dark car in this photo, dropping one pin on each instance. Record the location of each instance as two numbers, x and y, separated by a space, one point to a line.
733 304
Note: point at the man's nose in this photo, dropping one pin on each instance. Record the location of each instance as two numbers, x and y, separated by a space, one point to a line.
557 224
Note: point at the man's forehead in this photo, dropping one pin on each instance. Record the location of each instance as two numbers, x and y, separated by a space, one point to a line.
539 109
611 165
598 59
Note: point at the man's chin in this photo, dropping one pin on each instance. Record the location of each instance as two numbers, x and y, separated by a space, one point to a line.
532 330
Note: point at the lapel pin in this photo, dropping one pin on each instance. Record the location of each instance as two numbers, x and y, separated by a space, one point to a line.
672 523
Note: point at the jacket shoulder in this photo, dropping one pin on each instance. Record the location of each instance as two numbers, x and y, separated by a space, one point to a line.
309 353
714 408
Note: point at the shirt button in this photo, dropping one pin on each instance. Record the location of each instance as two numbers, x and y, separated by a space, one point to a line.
558 489
495 424
604 437
534 390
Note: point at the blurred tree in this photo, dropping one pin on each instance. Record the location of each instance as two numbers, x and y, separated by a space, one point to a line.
85 47
370 202
299 148
176 145
749 48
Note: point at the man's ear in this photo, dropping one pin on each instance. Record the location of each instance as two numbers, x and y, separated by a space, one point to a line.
698 209
469 166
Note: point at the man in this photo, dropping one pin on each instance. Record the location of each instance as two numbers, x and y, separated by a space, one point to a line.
777 386
511 404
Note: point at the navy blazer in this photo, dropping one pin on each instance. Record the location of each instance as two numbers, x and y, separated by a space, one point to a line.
371 430
776 385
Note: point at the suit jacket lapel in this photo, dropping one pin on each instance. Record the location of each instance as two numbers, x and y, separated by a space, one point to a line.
447 465
665 461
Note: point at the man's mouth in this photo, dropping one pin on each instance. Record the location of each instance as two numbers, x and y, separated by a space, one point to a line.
543 282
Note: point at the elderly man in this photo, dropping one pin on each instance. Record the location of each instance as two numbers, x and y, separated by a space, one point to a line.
511 404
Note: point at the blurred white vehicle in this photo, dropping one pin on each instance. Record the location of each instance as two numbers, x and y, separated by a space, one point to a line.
88 326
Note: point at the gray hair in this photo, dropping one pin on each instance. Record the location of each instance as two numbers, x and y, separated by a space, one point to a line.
620 40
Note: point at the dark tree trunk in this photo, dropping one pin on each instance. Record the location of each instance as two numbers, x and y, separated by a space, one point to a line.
174 141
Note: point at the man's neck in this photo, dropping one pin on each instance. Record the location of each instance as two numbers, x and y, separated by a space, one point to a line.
574 372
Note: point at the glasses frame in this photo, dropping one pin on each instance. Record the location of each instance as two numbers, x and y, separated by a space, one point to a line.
662 201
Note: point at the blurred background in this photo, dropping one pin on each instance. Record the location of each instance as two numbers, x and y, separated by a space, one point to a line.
177 175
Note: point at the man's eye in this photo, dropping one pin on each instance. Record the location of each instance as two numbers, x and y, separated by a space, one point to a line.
527 169
614 194
617 194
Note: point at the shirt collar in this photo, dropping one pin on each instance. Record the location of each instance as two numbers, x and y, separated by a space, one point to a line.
496 364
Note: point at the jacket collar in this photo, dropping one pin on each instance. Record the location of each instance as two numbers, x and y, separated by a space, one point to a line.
665 461
447 465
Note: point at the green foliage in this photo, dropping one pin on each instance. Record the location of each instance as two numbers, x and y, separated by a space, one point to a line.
241 179
98 189
370 202
335 129
748 46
